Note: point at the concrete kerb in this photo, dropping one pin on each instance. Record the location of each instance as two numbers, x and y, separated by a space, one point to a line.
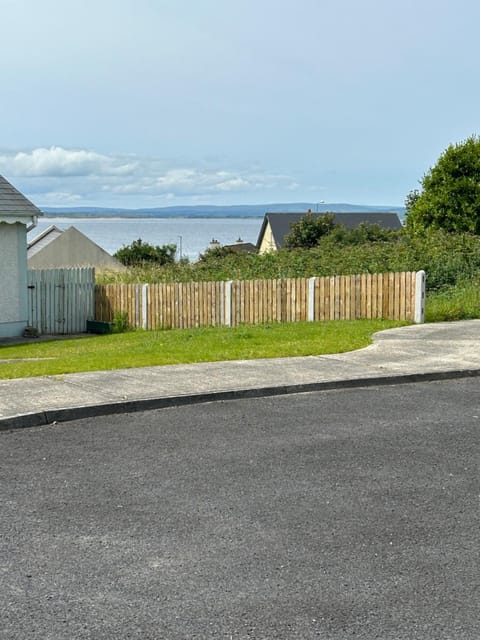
51 417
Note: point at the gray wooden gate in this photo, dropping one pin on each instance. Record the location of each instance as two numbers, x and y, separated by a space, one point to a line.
60 301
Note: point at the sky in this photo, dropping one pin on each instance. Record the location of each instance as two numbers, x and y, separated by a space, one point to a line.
151 103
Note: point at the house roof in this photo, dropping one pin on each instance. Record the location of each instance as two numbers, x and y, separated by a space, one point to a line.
241 247
280 223
55 248
14 206
43 239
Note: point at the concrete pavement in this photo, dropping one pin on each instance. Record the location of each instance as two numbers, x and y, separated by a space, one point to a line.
417 352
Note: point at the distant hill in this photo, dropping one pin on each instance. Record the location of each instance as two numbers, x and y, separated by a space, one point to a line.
214 211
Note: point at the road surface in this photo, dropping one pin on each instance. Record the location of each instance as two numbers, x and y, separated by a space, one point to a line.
333 515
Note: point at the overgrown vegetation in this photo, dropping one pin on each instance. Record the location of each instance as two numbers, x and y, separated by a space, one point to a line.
460 302
447 259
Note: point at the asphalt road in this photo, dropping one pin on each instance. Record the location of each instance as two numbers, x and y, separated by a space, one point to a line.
332 515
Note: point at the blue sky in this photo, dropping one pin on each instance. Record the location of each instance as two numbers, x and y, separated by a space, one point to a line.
135 103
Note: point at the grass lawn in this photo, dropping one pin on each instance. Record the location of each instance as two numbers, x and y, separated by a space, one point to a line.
181 346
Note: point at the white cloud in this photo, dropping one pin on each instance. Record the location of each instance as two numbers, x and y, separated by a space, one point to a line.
56 162
61 196
233 184
194 182
62 176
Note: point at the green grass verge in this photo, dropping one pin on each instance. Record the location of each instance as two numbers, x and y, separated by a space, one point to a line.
182 346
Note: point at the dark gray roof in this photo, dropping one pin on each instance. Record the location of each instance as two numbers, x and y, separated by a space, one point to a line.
241 247
13 203
280 223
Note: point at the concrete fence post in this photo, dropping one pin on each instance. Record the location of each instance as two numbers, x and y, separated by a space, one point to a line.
419 316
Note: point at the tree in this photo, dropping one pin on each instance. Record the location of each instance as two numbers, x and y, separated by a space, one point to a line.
140 252
450 194
306 233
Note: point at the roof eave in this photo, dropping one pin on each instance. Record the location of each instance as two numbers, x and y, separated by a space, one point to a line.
22 218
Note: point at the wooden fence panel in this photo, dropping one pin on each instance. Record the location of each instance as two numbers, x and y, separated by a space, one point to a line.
193 304
60 301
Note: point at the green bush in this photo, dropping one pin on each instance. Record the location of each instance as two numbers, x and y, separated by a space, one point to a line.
306 233
120 322
140 252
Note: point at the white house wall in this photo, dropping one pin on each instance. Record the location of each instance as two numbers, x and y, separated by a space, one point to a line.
13 279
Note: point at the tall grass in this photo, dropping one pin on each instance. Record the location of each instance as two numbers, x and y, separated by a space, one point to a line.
460 302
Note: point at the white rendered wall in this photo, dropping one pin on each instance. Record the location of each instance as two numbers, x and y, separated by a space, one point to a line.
13 279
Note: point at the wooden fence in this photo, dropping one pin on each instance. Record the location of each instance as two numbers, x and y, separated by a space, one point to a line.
60 301
396 296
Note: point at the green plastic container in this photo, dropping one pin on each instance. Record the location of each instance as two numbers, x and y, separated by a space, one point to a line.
97 326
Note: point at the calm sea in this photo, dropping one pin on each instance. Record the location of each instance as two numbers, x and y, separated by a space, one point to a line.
192 235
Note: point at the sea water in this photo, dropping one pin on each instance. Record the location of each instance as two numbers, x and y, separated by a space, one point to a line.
191 235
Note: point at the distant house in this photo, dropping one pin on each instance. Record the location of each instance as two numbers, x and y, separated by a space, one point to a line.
241 247
17 216
238 247
56 249
276 226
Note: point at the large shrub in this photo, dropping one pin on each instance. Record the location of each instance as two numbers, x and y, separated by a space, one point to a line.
140 252
450 195
307 232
